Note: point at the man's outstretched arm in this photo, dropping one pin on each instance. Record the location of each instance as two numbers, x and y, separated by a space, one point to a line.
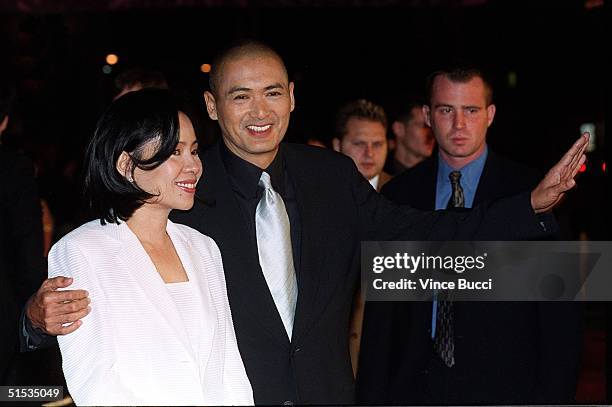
510 218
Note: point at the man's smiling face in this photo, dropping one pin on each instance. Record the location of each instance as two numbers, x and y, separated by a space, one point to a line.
252 102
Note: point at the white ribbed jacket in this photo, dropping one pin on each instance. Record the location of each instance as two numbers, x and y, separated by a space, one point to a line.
132 349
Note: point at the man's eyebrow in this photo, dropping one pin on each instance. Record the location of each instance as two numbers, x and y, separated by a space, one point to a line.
461 107
274 86
237 89
442 105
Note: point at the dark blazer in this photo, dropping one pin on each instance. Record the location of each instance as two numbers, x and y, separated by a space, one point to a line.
22 266
506 352
338 208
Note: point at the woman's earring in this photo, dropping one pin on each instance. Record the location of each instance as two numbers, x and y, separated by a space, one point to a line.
130 179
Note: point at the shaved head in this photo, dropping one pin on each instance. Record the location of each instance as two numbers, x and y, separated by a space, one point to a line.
242 49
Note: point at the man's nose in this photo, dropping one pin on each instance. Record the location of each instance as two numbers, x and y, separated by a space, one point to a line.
260 108
459 120
369 150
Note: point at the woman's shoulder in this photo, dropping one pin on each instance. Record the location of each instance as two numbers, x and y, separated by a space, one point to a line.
91 235
84 249
91 230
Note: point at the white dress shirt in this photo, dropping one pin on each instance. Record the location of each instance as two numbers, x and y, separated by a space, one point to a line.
374 181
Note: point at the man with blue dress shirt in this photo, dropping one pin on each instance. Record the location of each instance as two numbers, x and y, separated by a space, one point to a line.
446 352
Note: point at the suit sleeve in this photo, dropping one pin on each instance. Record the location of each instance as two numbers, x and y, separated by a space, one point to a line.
88 354
31 338
510 218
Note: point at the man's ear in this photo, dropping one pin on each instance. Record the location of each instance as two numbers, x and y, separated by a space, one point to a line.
490 114
124 166
291 96
4 124
427 114
336 144
398 129
211 105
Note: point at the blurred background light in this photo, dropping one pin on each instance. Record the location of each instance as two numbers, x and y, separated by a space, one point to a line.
589 128
112 59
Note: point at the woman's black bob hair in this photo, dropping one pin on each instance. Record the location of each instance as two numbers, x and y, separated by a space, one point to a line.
130 123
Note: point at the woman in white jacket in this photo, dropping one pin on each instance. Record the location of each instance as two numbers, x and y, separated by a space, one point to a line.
160 330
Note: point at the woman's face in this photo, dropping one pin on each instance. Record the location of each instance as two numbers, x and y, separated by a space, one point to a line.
174 181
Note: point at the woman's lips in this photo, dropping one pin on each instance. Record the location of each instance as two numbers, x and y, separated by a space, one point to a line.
187 186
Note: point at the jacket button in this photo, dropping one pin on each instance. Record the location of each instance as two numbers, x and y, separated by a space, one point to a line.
288 403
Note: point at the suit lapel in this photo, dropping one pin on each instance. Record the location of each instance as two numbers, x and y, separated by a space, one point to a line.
426 180
143 271
491 184
224 221
305 186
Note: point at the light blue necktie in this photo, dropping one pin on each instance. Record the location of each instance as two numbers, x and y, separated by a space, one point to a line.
275 254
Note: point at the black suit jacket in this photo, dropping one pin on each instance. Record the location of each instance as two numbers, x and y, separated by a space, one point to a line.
506 352
22 266
338 208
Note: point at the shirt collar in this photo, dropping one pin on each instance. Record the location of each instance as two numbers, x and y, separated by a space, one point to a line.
470 173
374 181
245 176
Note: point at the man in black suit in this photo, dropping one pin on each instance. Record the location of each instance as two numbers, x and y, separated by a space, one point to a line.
22 265
330 208
505 352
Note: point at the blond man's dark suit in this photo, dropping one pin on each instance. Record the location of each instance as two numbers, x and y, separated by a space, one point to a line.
358 302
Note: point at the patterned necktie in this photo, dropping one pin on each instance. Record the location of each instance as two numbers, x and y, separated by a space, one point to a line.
457 200
444 343
275 254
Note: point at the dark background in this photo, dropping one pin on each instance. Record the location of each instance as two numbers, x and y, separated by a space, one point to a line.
333 53
54 51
